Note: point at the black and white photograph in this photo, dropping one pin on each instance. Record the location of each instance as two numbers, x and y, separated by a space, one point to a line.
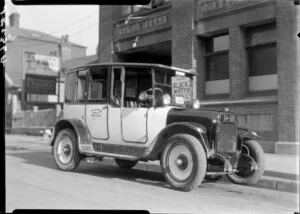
167 106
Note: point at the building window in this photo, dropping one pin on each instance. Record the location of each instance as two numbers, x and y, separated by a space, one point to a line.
217 64
53 53
216 59
262 62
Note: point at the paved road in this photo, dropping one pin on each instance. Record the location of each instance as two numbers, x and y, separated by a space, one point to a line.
34 182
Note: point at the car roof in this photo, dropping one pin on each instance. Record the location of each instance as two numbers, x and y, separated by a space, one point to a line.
136 64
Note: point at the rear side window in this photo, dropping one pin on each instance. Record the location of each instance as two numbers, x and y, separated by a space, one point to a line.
75 86
97 88
70 87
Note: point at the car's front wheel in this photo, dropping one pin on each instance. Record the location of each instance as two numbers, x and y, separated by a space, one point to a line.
184 162
65 150
125 164
249 172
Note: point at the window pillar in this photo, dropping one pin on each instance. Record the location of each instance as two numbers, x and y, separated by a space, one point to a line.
288 68
237 63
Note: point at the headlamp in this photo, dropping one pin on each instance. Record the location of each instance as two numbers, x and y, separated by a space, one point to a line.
166 99
196 104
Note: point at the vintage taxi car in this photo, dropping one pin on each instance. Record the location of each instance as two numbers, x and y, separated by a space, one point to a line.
138 112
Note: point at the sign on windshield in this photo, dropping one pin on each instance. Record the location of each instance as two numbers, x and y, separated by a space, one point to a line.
181 89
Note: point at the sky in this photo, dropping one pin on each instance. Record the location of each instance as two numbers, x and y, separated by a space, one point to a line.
80 22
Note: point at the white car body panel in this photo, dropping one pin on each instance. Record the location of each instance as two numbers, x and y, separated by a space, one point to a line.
96 120
75 111
134 124
114 126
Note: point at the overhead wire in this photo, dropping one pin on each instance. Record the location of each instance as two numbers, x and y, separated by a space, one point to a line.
66 27
42 43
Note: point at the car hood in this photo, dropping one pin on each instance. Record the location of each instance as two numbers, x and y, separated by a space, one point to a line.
202 116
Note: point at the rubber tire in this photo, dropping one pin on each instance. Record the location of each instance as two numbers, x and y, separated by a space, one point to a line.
199 159
257 154
76 156
213 178
125 164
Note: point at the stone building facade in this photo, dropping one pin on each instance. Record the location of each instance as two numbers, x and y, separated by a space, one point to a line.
246 54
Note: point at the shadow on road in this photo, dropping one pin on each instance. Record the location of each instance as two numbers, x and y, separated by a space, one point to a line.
45 159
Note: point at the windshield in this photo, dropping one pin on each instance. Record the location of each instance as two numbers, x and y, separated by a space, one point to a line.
177 84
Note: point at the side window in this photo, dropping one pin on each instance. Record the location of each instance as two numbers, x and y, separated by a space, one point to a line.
136 81
97 84
70 87
81 85
116 86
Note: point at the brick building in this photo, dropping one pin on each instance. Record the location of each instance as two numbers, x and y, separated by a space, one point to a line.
27 44
246 54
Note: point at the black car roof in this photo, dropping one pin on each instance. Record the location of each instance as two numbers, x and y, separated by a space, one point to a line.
136 64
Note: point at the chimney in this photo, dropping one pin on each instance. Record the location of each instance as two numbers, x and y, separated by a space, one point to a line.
14 20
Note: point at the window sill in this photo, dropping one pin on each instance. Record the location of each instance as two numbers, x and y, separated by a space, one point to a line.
248 100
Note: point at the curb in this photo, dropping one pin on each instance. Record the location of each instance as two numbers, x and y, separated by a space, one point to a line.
267 182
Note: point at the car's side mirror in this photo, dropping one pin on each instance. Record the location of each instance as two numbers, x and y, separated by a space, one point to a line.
143 97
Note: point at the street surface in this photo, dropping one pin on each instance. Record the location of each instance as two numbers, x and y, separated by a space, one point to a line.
34 182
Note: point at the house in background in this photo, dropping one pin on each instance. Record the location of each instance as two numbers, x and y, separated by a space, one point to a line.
79 61
36 55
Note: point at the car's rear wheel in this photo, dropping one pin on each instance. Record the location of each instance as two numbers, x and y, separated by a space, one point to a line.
247 174
65 150
184 162
125 164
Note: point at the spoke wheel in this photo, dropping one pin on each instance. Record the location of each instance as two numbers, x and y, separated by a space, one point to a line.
184 162
65 150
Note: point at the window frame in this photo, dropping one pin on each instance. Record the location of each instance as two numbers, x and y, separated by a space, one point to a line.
258 46
211 54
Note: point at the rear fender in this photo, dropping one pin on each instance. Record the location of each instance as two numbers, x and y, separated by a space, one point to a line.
83 136
195 129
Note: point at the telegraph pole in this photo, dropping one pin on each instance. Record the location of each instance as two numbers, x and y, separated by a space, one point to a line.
59 74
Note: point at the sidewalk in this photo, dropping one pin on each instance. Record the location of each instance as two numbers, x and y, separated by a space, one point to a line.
281 171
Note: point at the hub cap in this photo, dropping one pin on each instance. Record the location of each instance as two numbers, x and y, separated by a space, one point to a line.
180 162
64 150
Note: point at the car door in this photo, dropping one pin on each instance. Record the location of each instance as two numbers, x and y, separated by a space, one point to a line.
116 102
133 116
96 109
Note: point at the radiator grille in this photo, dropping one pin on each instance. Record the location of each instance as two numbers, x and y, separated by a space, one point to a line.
226 138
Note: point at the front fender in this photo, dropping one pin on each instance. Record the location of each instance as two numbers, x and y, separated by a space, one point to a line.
195 129
82 134
244 133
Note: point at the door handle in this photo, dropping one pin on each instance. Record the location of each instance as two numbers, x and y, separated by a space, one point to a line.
105 107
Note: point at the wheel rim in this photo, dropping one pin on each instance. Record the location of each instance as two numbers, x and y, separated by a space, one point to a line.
64 150
180 162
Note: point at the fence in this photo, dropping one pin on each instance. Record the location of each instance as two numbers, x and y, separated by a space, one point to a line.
40 118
